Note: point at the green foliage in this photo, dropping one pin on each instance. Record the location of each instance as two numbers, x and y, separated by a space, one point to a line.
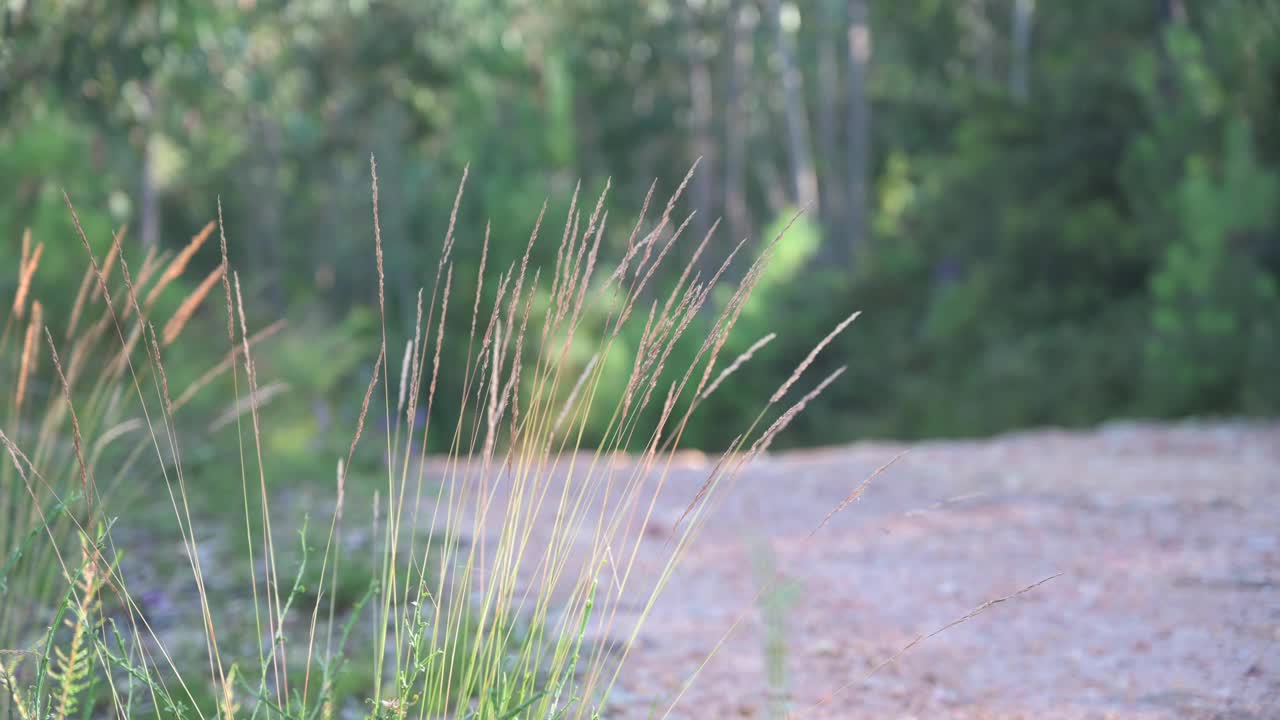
42 151
1004 230
1213 309
1108 248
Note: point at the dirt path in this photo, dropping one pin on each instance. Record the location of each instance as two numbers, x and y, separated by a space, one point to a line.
1168 606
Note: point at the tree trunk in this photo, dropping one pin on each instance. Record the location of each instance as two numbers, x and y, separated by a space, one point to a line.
1168 13
1020 63
774 187
700 116
741 54
804 178
981 39
149 229
150 221
266 229
859 124
830 185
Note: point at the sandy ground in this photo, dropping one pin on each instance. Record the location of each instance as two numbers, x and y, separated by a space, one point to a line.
1167 539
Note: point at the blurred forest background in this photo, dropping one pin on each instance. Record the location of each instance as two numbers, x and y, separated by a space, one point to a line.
1050 212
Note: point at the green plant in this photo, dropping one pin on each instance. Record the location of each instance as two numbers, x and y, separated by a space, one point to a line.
776 599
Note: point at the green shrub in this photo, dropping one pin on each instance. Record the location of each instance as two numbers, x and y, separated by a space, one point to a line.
1213 309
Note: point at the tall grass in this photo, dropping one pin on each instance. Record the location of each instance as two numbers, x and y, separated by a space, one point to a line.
50 490
506 570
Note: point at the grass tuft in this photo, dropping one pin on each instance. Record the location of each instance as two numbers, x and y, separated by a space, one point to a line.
490 582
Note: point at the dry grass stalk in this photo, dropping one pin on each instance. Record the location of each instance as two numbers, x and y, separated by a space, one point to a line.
173 328
364 412
733 309
76 439
415 376
795 375
210 634
642 281
113 253
88 289
179 263
85 347
475 308
30 347
857 492
225 364
447 250
737 363
435 360
123 360
259 399
635 232
714 342
164 377
82 295
577 388
766 439
25 273
570 227
226 280
923 637
275 614
685 312
150 263
110 435
404 375
377 249
785 419
692 264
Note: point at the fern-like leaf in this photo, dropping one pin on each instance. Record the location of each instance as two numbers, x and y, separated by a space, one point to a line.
73 667
9 682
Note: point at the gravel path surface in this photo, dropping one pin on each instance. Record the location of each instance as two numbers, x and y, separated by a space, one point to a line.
1167 539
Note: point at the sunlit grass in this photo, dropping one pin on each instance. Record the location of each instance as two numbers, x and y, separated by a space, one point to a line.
485 568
